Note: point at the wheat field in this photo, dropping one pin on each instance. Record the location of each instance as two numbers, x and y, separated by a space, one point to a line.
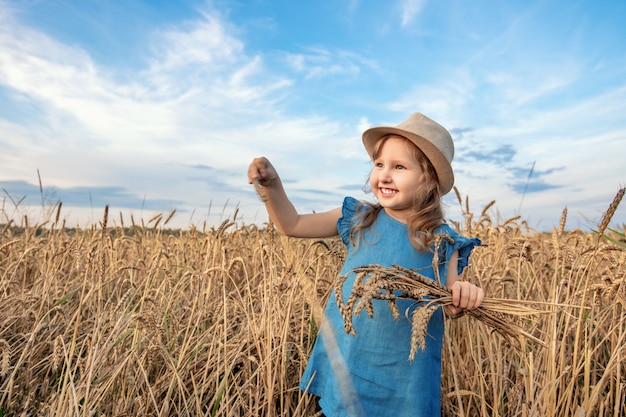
146 321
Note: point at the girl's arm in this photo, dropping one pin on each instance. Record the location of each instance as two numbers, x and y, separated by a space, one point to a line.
465 295
282 212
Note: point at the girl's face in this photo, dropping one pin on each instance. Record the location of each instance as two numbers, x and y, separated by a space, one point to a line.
397 177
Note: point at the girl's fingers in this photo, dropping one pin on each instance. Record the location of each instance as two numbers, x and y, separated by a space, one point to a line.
261 172
456 294
257 170
454 311
466 295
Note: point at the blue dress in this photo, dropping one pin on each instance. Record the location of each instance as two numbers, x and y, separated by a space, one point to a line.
370 374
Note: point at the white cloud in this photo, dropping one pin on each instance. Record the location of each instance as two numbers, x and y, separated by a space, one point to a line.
318 62
66 82
440 101
205 42
516 90
410 9
203 68
201 101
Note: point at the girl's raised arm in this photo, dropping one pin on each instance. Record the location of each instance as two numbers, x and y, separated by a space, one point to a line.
288 221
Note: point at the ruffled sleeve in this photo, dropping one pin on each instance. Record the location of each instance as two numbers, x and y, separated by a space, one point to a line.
463 244
344 224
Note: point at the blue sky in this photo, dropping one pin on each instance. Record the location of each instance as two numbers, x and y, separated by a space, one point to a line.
150 106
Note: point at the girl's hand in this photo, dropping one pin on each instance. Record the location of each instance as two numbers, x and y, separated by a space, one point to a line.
262 172
281 211
465 296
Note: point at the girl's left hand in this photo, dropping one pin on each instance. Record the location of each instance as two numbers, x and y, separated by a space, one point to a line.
465 296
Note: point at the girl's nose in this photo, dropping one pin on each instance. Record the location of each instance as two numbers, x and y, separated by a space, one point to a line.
385 175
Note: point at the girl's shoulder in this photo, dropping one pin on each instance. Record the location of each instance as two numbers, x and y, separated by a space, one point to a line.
349 210
446 230
351 206
457 242
344 224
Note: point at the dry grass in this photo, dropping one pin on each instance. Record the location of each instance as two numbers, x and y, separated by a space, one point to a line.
140 322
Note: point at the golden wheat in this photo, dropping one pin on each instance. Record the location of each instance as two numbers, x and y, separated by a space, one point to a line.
608 215
5 357
143 321
419 324
397 283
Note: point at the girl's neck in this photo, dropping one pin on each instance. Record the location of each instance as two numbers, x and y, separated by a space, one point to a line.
400 217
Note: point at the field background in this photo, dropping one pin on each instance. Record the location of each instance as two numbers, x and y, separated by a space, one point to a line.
140 320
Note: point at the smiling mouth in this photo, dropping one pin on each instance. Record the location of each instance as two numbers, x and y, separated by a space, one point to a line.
387 191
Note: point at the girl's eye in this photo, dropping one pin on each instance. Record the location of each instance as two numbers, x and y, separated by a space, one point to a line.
379 164
399 166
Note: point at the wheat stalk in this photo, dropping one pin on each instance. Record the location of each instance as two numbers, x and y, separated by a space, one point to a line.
608 215
57 354
562 222
5 358
396 283
420 318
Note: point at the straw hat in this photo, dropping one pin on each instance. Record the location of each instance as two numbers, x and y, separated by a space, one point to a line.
432 139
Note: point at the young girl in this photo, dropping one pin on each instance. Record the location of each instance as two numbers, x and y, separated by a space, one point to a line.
369 374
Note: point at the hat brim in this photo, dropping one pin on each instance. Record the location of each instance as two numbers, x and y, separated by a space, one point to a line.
441 164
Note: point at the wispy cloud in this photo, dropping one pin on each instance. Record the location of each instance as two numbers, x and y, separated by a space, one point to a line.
318 62
201 100
204 43
410 9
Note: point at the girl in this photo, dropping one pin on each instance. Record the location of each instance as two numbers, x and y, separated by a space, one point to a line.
369 374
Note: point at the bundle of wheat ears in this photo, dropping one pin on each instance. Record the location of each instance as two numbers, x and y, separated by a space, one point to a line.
395 283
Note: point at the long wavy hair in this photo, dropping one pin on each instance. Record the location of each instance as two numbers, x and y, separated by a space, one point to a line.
427 208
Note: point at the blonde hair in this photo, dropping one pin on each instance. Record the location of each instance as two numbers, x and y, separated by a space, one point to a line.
427 210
